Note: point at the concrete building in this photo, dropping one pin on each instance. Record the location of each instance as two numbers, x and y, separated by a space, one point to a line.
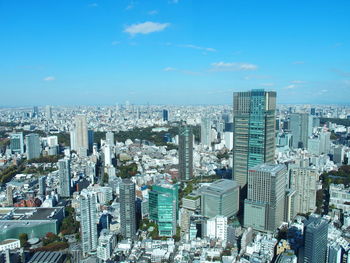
301 128
216 227
81 135
64 166
206 137
253 131
220 198
106 244
264 206
304 183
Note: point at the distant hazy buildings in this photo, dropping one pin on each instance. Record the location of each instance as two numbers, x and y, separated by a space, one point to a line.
88 214
220 198
254 131
64 177
110 138
127 208
33 147
185 152
264 206
48 110
17 143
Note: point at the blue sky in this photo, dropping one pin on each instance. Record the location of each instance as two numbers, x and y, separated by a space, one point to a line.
75 52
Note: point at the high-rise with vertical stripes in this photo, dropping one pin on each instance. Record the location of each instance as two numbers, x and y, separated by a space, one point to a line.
254 131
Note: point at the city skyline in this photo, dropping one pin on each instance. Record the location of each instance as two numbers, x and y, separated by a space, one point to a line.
103 52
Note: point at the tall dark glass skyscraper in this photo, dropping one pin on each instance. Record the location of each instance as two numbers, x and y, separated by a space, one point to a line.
254 131
127 208
165 115
185 152
315 248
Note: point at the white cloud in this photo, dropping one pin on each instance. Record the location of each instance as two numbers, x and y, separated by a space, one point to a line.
169 69
291 86
153 12
49 78
93 5
114 43
130 6
298 62
298 82
232 66
209 49
145 28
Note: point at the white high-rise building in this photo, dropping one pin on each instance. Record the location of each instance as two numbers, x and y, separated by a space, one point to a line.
107 152
217 227
206 137
88 214
110 138
304 183
106 244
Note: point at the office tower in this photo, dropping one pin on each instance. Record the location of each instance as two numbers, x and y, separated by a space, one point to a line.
127 208
164 207
42 185
220 198
185 153
315 246
35 111
64 177
165 115
90 140
73 140
264 207
17 143
335 252
254 131
88 217
216 227
206 132
33 146
338 154
9 195
81 135
48 111
107 154
304 182
301 128
110 138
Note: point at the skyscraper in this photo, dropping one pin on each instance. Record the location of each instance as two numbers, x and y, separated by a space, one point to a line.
17 143
206 132
35 111
42 185
48 110
254 131
127 208
88 214
185 152
220 198
33 146
64 177
165 115
301 128
9 195
81 135
264 207
164 207
315 246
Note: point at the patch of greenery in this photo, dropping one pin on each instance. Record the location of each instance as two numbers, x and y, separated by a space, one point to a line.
69 224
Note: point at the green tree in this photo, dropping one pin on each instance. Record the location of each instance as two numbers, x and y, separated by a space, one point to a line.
23 238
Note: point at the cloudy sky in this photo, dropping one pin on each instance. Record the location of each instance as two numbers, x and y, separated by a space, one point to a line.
69 52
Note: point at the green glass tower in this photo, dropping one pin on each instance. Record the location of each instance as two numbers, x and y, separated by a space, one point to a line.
164 208
254 131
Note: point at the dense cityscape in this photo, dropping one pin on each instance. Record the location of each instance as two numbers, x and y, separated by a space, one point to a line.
254 181
174 131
